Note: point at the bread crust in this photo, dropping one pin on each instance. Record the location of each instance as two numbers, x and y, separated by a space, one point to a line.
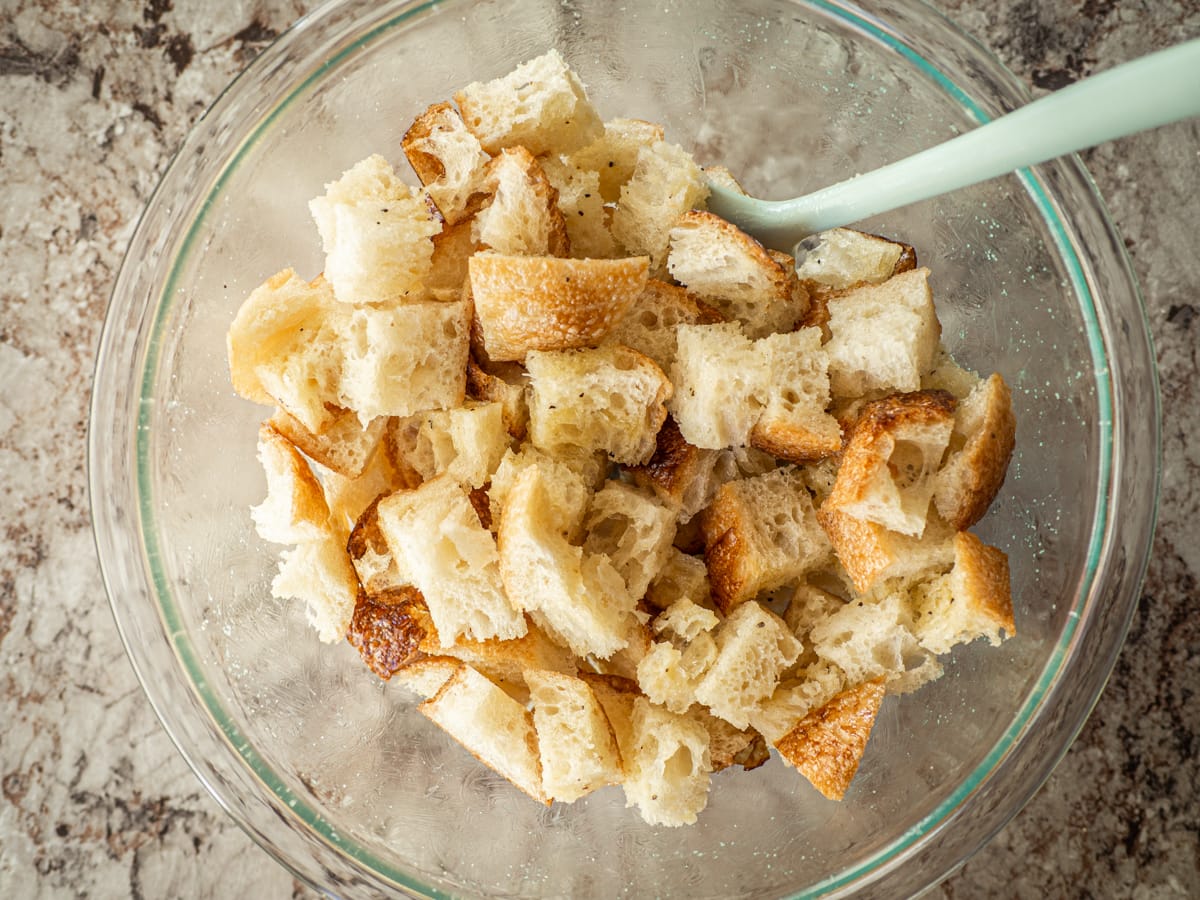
386 631
827 745
525 303
981 579
965 493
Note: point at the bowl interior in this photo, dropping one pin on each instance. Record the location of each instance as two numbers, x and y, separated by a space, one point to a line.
790 96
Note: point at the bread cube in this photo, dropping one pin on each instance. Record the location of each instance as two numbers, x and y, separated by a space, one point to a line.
466 443
871 553
495 728
541 105
649 326
872 638
581 599
294 510
759 534
435 534
345 446
610 398
400 360
633 530
387 629
376 233
680 475
794 424
506 386
525 303
682 577
668 776
575 741
567 489
582 208
827 746
974 600
842 258
981 446
520 216
720 382
665 184
319 573
613 155
884 337
891 457
448 159
754 647
731 271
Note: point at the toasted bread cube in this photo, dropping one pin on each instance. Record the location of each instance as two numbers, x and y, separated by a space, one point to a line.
613 155
759 534
754 647
681 475
496 729
610 398
974 600
684 621
294 510
669 774
732 272
981 446
682 577
521 216
448 159
568 489
794 424
387 629
884 337
827 746
870 553
649 325
842 258
576 743
873 638
545 303
541 105
436 535
666 183
720 383
345 446
376 232
580 598
633 530
283 347
582 208
319 573
670 675
404 359
891 458
466 443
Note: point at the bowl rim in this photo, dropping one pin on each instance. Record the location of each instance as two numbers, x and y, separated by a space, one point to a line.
114 537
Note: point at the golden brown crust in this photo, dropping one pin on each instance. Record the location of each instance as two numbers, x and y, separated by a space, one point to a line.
871 439
792 441
386 631
308 497
982 576
827 745
482 505
859 546
525 303
984 460
726 549
674 465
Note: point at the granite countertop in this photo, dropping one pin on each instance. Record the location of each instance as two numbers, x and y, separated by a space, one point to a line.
94 799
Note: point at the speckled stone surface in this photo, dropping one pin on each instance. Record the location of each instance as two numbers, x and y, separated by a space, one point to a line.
94 799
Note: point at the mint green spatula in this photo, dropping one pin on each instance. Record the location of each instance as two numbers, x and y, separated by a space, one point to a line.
1154 90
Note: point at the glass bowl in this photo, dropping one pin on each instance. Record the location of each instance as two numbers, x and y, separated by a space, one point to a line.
336 775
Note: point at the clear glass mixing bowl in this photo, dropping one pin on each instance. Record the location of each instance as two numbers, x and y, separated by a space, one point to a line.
336 775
